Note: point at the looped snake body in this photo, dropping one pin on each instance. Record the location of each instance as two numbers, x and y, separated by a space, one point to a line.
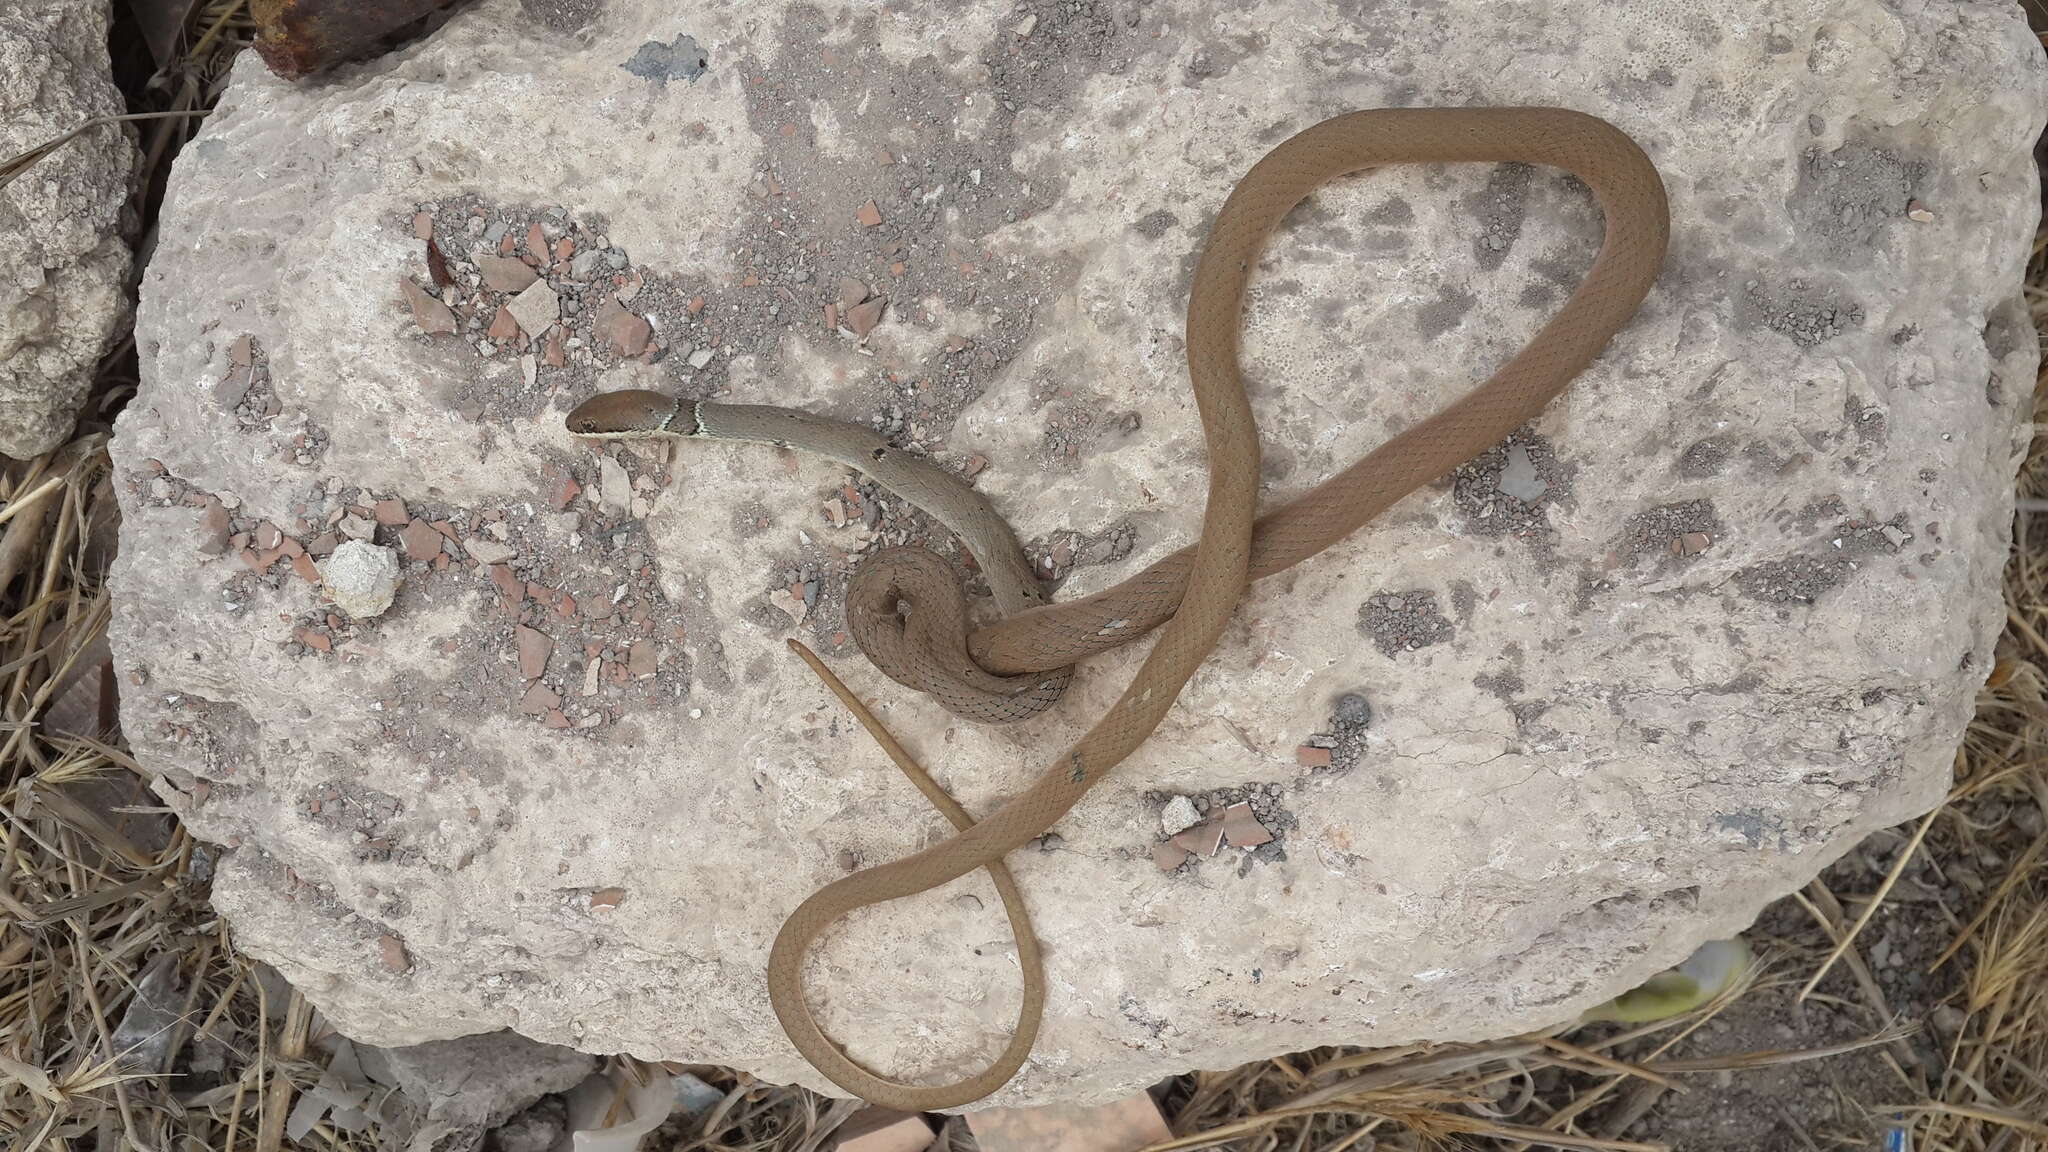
1018 665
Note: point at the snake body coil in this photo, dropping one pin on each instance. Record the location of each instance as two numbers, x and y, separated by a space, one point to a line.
1008 667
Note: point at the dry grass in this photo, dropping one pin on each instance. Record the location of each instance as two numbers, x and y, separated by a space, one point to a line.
126 1013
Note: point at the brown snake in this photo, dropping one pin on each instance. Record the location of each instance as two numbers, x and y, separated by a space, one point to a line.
1193 592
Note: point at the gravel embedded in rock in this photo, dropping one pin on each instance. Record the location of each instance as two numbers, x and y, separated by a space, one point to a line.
1404 621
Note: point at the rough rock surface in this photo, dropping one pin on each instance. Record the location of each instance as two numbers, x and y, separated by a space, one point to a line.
467 1086
63 261
571 782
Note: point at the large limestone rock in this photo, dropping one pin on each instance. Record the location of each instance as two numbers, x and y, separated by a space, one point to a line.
1717 614
63 260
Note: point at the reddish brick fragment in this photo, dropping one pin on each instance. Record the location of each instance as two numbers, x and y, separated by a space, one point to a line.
1204 838
1243 829
563 492
534 647
1169 856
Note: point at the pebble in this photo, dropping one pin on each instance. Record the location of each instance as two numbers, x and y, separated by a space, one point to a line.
614 488
361 578
1178 816
862 318
626 332
422 542
1169 856
534 648
213 529
506 273
700 357
869 215
535 308
1949 1019
584 265
1518 477
1203 839
789 604
488 551
433 317
640 660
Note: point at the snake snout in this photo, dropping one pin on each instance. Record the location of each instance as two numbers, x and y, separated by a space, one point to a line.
625 414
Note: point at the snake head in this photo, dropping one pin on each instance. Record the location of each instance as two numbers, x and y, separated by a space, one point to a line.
628 414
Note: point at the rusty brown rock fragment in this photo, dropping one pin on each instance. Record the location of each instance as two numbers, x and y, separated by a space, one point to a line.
1243 829
1169 856
640 663
534 648
1204 838
421 541
505 273
862 318
430 314
624 331
298 38
213 529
